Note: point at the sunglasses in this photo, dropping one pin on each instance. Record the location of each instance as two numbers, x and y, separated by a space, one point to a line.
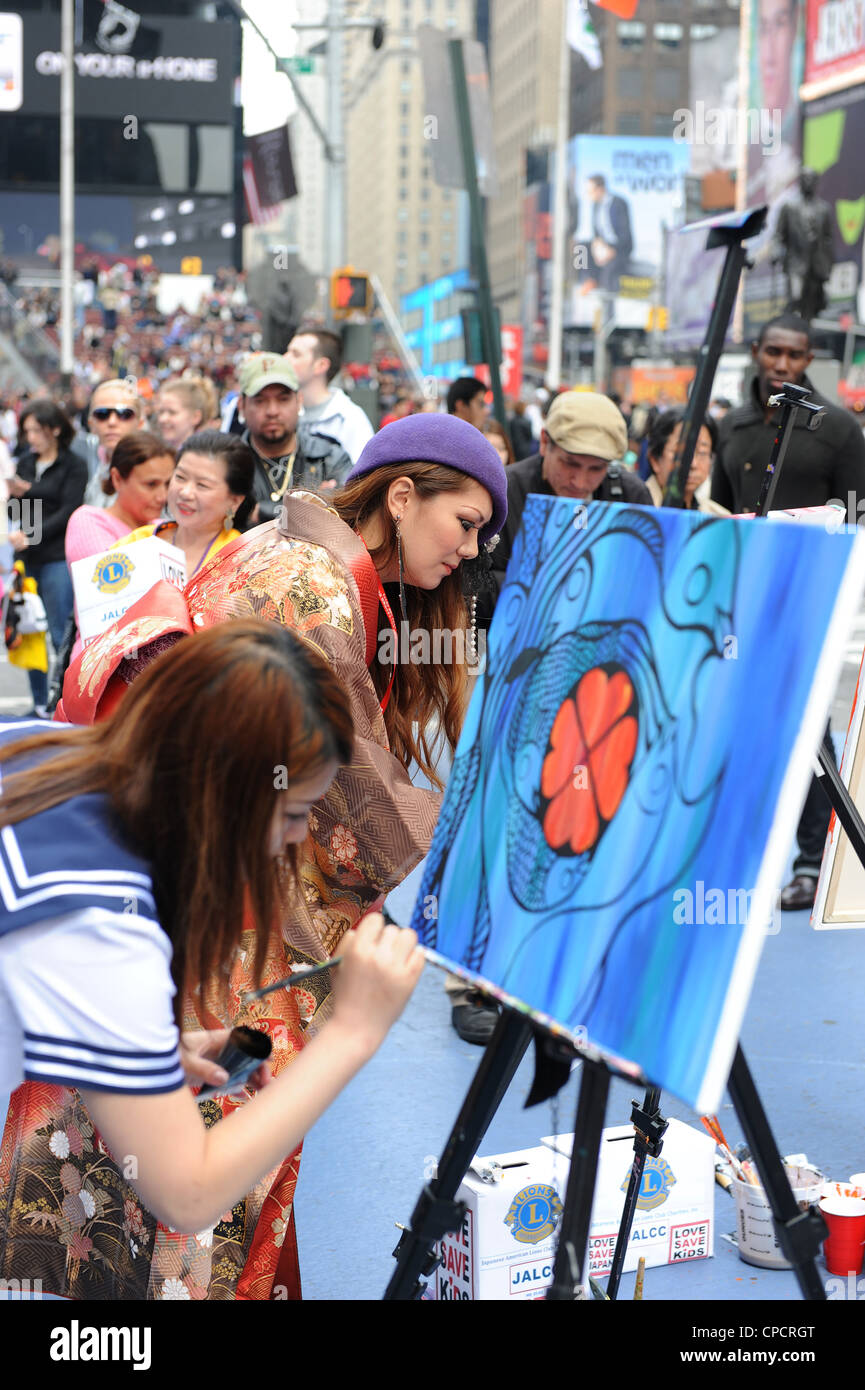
105 412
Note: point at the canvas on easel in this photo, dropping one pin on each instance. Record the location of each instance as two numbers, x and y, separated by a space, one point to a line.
630 775
840 900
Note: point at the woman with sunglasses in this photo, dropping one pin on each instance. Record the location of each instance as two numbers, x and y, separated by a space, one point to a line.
115 410
49 486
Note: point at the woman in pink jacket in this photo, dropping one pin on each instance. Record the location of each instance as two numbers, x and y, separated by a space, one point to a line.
141 469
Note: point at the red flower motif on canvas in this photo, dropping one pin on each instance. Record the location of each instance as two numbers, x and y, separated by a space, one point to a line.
587 767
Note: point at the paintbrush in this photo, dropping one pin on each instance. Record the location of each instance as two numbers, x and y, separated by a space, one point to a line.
641 1274
711 1123
296 978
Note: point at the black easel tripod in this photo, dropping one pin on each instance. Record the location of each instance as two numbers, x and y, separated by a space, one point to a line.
437 1211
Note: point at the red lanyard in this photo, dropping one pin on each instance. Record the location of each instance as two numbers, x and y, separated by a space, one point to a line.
389 615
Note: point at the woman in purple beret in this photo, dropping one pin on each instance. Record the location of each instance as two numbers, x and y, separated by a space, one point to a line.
375 578
426 497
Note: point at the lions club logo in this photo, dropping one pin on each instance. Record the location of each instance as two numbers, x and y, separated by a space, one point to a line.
658 1179
113 573
534 1214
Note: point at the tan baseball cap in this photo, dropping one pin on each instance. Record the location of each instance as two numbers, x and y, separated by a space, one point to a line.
265 369
584 422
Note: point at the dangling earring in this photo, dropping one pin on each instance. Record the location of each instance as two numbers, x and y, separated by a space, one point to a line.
473 632
397 520
228 520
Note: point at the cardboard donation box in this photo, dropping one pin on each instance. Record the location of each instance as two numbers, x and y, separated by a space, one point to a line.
506 1245
673 1223
514 1201
107 585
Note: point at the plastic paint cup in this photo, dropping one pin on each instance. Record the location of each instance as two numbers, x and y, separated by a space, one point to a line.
842 1189
845 1247
858 1180
754 1222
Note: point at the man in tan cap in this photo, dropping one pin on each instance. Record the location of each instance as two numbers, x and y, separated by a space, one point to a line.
288 454
583 439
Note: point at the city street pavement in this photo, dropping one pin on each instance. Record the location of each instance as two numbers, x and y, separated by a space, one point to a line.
14 689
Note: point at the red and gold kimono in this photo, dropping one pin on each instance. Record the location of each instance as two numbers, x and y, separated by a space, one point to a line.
311 572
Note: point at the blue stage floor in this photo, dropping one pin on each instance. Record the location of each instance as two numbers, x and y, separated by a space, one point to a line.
364 1163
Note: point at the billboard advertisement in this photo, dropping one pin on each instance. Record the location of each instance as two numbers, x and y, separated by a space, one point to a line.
170 69
691 284
153 104
834 47
114 227
430 316
833 141
537 284
776 56
625 192
712 131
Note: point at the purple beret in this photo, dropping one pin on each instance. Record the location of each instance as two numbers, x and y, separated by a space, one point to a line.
441 439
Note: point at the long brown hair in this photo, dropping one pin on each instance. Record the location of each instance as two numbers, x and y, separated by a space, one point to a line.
190 763
436 690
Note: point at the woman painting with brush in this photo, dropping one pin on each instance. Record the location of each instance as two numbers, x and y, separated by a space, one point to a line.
125 893
426 496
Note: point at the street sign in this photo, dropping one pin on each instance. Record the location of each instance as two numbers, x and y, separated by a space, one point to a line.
302 62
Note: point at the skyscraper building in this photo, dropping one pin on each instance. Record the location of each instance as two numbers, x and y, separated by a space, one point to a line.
400 223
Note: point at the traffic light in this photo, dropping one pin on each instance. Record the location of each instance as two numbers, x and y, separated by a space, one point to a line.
350 293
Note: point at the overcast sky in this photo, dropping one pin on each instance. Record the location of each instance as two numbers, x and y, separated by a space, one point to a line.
267 97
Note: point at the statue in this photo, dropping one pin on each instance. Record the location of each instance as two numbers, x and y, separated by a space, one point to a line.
803 246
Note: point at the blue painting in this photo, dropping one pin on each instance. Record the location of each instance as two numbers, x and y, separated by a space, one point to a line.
629 778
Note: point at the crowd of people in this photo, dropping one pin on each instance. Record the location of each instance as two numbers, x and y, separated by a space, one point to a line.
121 330
259 696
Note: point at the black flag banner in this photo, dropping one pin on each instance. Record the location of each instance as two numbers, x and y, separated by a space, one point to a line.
268 173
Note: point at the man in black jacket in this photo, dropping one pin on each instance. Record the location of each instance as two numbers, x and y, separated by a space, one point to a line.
288 454
827 464
583 438
823 465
